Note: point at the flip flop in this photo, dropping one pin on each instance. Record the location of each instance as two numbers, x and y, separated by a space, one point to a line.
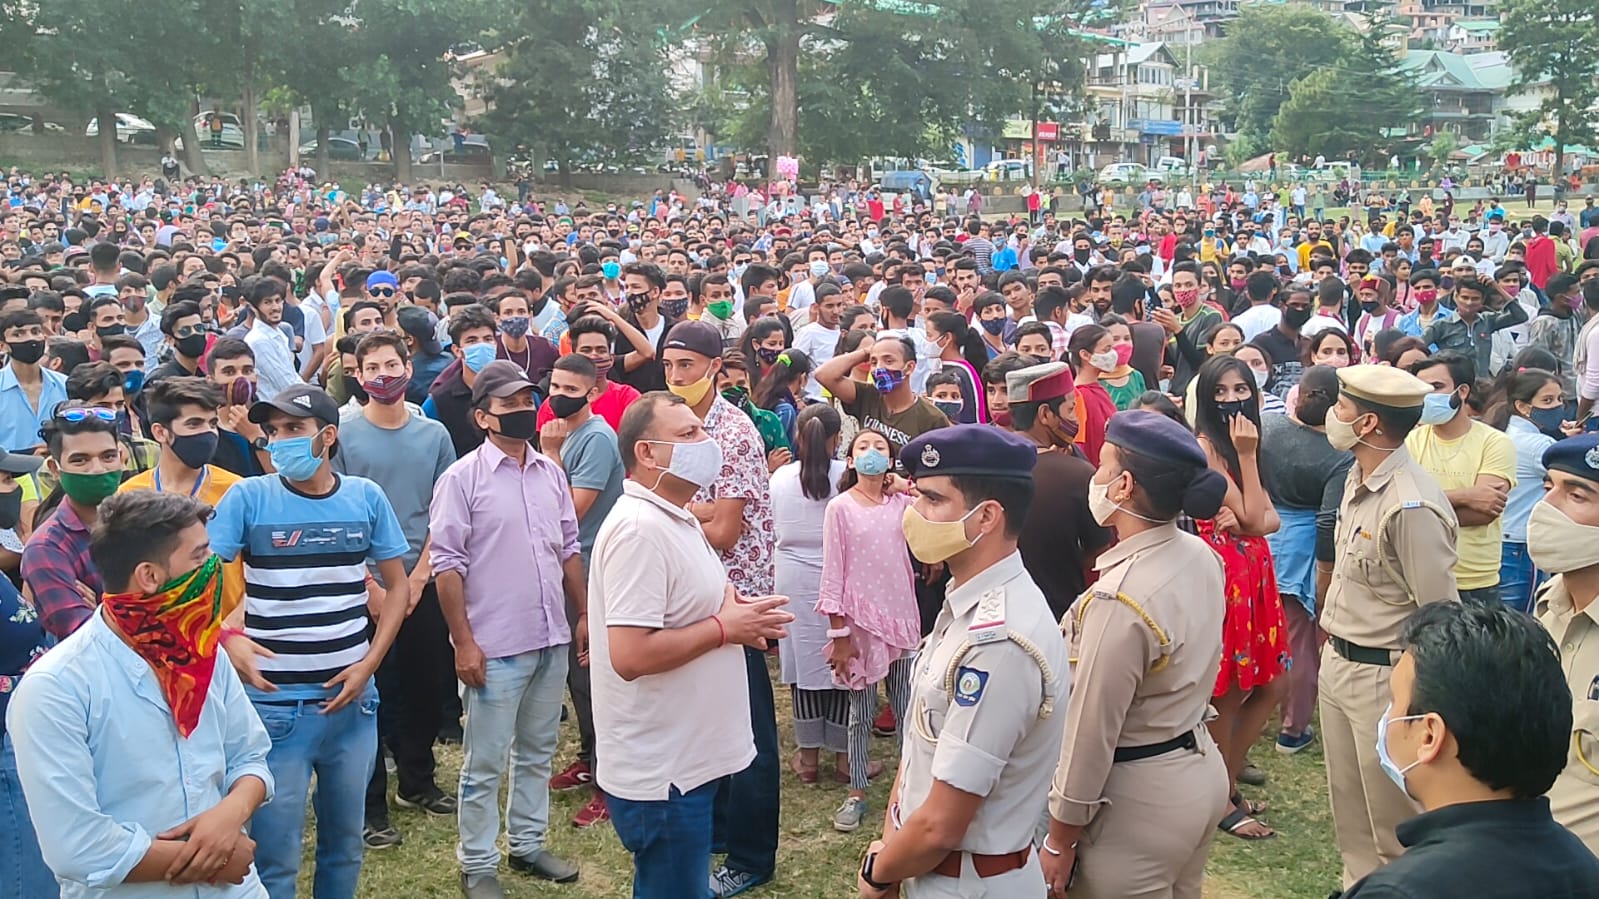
1249 806
1236 820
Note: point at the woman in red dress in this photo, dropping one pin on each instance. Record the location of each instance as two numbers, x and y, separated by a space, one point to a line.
1092 352
1255 653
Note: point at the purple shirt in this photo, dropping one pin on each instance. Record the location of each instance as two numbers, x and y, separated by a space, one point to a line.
507 530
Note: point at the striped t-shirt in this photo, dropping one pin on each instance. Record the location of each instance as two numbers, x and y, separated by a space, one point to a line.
305 573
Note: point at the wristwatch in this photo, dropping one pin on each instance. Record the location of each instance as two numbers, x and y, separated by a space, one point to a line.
867 864
259 443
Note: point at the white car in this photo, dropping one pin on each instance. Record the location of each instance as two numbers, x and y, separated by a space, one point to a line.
129 128
1122 174
1007 170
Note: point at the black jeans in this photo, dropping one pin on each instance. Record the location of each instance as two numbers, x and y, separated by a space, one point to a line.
747 802
580 686
413 681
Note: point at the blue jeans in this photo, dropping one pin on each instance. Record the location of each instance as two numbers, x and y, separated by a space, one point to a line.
22 868
747 803
1518 577
340 749
515 714
670 840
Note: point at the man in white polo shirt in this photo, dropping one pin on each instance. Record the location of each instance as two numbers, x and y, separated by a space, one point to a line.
665 632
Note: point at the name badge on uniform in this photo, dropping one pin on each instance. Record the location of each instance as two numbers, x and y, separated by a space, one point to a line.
969 684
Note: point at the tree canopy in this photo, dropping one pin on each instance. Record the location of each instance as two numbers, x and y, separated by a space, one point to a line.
1551 45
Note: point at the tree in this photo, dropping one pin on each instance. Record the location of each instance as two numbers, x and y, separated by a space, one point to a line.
582 80
1551 46
1329 113
1268 48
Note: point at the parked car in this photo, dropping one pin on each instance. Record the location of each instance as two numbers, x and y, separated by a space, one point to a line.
342 149
1007 170
1122 174
129 128
1172 167
468 154
12 123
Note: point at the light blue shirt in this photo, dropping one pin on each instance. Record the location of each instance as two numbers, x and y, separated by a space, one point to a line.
104 768
1410 322
1530 444
19 420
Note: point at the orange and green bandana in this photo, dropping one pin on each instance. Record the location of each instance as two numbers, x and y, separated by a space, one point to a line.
177 630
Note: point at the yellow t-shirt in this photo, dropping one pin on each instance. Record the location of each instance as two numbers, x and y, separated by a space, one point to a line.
1457 464
217 481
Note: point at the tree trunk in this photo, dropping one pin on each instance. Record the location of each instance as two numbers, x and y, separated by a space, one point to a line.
783 65
107 118
252 127
324 155
191 149
400 143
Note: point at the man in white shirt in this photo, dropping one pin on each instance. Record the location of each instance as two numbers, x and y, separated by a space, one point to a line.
1261 316
667 624
819 339
275 366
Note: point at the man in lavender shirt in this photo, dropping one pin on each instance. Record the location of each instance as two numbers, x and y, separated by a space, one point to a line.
508 570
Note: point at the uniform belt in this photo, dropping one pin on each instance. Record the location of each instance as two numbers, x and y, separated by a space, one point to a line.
1362 655
984 865
1134 753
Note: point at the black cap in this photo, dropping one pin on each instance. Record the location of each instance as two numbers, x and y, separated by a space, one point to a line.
501 378
422 325
696 337
978 450
18 463
301 401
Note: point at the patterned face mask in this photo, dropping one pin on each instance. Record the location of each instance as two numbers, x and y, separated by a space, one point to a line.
177 630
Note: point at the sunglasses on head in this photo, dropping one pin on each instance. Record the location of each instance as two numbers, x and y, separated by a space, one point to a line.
76 414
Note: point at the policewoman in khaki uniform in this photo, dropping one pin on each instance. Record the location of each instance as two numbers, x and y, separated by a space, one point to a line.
987 694
1141 785
1395 552
1563 538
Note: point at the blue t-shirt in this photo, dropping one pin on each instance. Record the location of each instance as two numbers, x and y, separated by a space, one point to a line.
305 563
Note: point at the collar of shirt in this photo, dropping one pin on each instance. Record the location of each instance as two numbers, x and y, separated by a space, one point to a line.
1556 599
1124 549
1492 816
496 457
962 598
636 490
1383 473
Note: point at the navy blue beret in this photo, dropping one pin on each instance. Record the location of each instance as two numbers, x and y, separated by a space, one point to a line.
979 450
1577 455
1155 436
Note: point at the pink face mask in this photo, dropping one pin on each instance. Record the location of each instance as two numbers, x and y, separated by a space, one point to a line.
1186 298
1124 353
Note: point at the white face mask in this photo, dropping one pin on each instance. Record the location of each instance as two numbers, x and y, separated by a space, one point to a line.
1340 434
1557 544
1105 361
698 463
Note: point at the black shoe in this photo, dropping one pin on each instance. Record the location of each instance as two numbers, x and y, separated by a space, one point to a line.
546 865
450 734
435 802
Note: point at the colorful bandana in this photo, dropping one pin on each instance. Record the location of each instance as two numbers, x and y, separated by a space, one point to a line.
177 630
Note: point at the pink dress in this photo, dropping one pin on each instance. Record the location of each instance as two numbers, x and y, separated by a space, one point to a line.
867 579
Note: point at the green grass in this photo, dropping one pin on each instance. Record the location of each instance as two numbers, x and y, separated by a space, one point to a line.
815 862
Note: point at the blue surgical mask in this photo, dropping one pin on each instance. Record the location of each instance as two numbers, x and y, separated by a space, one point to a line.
1439 408
293 458
133 381
478 355
1394 772
872 463
610 270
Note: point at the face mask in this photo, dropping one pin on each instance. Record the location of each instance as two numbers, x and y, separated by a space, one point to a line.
1296 318
241 392
1341 434
950 408
1394 772
1370 307
194 450
1185 298
767 354
1103 361
519 425
10 508
696 463
133 381
736 395
564 406
1082 256
1237 283
819 269
739 269
886 379
610 270
90 489
692 393
1230 408
872 463
722 309
514 326
191 347
477 356
1261 377
1426 295
1124 354
935 541
177 630
27 352
1439 408
675 308
1548 420
994 326
358 391
294 458
111 331
1557 544
387 389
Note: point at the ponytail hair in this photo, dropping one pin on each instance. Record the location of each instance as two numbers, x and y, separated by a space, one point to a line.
970 342
816 426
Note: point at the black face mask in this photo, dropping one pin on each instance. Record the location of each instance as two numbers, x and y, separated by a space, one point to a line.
111 331
1230 408
191 347
1296 318
519 425
195 450
27 352
356 390
10 508
564 406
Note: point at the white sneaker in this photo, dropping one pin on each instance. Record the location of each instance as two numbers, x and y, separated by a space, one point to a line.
848 817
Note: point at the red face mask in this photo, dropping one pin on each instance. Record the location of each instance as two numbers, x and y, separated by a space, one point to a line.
176 629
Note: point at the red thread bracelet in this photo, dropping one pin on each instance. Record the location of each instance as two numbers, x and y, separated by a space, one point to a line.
720 631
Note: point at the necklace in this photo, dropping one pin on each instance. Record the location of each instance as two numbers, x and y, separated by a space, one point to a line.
523 364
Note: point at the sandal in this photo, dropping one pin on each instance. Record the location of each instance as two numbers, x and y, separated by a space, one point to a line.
1248 806
1235 822
874 770
806 775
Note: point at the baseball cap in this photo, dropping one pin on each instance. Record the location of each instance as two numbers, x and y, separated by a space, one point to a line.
500 378
301 401
18 463
422 325
694 336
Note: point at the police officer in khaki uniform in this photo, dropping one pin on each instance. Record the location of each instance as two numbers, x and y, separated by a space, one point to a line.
1395 551
984 725
1141 785
1563 538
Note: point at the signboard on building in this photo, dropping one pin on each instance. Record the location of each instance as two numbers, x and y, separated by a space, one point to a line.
1168 127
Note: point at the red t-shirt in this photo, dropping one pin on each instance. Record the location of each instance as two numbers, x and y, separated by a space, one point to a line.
610 405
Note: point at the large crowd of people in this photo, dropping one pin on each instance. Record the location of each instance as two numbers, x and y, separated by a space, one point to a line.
296 483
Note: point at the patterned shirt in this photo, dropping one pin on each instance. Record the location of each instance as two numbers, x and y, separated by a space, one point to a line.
54 562
744 476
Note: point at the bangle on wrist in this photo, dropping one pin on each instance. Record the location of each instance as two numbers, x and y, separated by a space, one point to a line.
1057 852
834 633
721 632
228 633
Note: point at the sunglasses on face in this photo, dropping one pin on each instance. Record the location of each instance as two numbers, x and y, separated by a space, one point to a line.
384 292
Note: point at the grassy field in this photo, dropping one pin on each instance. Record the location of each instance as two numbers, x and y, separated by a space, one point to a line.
815 862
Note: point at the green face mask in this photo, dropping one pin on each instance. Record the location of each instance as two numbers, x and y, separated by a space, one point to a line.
90 489
722 309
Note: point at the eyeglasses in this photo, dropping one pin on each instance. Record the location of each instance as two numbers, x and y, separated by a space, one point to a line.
76 414
385 292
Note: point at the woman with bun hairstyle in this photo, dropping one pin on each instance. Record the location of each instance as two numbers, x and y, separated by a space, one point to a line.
1141 785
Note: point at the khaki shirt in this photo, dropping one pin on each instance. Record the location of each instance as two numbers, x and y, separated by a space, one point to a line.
986 737
1366 604
1574 799
1130 687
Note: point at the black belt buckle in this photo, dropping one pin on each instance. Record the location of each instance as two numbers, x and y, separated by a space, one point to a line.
1136 753
1362 655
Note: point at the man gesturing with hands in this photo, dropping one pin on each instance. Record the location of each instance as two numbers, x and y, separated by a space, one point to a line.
666 656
